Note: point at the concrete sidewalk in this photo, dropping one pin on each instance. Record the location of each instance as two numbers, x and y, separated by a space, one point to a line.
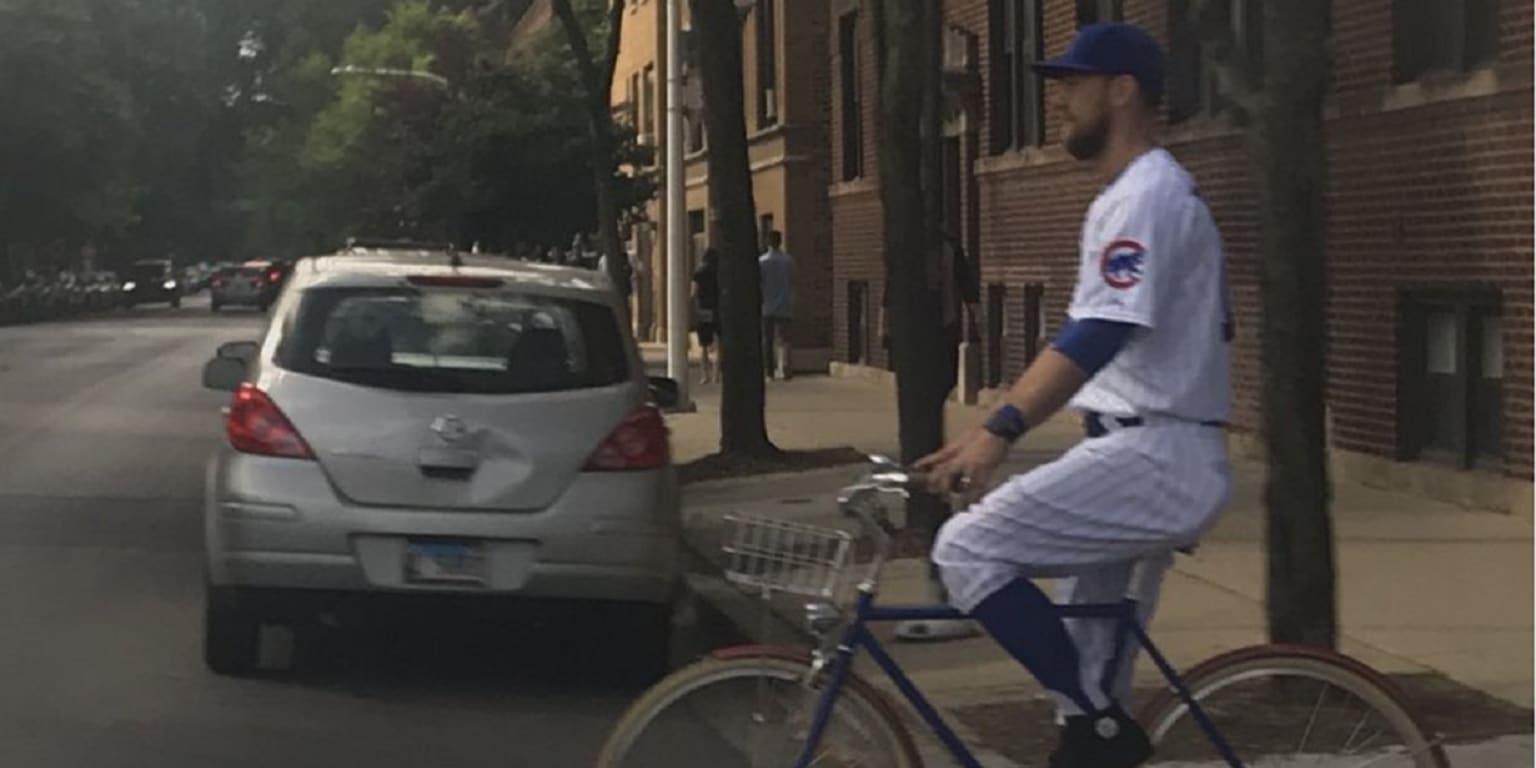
1423 586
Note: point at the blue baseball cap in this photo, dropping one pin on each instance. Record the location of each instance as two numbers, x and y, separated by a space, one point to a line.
1112 49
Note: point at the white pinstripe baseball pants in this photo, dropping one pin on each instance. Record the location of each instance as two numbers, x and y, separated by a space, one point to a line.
1133 495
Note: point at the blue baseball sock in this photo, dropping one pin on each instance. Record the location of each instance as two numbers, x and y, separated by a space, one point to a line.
1025 623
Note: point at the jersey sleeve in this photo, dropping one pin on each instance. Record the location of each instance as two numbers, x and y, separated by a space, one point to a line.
1126 261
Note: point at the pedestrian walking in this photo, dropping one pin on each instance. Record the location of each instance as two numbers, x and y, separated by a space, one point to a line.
778 279
706 308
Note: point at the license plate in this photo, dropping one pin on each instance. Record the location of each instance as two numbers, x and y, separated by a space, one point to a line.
435 562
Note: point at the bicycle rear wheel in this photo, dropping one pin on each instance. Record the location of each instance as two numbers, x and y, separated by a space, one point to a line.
1285 707
754 712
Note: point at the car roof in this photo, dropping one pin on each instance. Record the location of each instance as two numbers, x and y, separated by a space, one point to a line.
365 267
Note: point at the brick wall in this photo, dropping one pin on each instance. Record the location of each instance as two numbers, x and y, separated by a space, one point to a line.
1429 188
1429 185
805 36
1402 217
857 224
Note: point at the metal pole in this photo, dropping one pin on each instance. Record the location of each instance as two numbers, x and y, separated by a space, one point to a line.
677 262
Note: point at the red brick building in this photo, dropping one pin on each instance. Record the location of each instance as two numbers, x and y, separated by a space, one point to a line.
1429 235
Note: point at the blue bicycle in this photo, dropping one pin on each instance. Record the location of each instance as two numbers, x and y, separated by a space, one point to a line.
770 707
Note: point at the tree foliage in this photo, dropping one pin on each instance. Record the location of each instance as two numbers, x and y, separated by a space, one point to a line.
215 129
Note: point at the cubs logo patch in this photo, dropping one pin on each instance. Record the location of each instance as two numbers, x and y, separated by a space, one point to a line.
1121 264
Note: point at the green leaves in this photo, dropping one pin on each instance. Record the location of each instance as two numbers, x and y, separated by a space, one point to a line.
63 133
214 129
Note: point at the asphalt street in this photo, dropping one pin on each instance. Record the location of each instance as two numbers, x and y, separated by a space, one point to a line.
102 453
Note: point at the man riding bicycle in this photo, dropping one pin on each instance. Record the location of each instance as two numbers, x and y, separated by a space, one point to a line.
1145 358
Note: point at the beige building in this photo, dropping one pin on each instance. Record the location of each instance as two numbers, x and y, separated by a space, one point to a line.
787 91
787 96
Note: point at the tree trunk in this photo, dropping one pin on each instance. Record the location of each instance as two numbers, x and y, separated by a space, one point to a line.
597 80
605 188
909 104
1289 151
734 215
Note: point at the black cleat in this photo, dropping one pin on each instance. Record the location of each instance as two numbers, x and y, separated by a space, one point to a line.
1110 739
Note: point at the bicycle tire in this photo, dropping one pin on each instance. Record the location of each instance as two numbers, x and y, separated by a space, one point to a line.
750 662
1359 679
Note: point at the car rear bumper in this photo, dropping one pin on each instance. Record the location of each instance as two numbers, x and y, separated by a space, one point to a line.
239 299
150 297
278 523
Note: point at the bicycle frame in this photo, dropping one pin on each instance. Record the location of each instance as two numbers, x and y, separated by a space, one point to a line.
858 637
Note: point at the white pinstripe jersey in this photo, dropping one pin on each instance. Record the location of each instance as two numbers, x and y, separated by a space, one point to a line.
1151 256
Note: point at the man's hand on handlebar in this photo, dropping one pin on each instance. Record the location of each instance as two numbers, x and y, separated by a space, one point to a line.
964 466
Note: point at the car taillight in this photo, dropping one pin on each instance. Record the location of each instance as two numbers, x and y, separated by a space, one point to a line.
639 442
218 281
274 276
256 425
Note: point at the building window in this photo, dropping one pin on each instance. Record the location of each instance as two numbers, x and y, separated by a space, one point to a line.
693 123
767 64
698 238
632 103
647 126
1034 322
1451 384
997 301
859 335
1194 88
1442 36
850 103
1097 11
1018 94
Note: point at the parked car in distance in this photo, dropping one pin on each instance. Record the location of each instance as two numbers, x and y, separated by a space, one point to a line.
151 282
251 285
109 290
25 301
197 278
414 423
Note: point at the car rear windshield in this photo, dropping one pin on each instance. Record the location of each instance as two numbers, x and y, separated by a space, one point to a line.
477 341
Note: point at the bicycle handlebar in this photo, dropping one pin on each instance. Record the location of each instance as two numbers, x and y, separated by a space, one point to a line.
887 477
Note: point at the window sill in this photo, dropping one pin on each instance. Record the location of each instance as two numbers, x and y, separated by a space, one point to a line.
1434 88
860 186
1202 127
765 133
1447 460
1015 159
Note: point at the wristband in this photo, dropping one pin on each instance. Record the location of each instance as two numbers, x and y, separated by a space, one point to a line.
1008 423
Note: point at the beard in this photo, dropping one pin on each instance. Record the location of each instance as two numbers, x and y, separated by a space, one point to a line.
1088 142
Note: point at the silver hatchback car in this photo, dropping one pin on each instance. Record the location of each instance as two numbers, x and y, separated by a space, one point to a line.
431 424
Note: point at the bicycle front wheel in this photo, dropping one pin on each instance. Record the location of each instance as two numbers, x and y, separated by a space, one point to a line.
754 712
1284 707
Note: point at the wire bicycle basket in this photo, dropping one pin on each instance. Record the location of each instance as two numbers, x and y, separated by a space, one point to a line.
770 555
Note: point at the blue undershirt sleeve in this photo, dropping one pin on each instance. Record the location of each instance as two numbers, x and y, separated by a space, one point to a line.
1092 343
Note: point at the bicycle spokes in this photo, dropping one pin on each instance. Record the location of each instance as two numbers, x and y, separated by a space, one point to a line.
1279 719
